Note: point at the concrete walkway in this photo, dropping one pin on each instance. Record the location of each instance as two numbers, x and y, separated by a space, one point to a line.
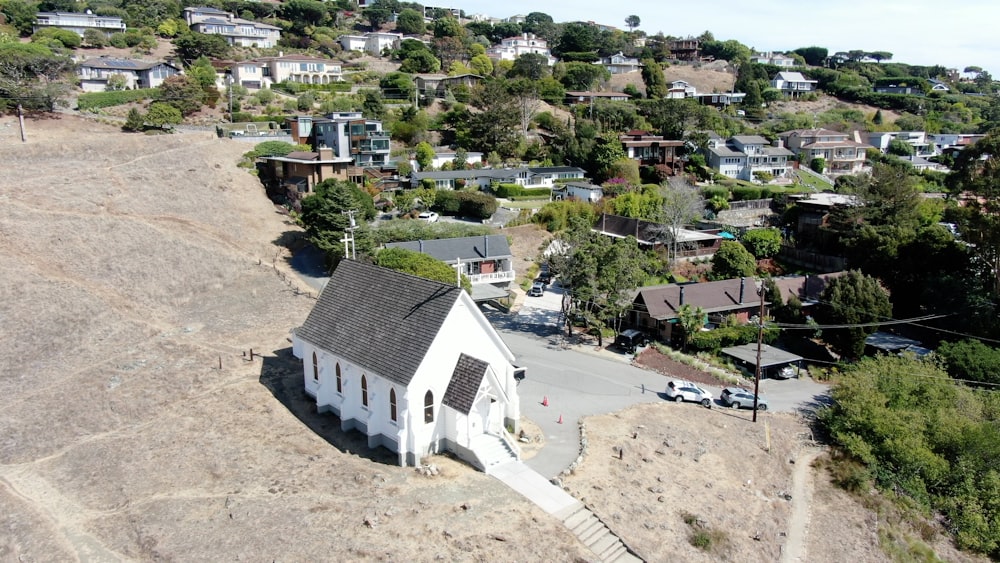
534 487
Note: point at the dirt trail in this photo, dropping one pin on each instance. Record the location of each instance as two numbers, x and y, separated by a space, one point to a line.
802 492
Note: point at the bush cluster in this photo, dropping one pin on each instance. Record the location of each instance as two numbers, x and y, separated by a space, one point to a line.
97 100
465 204
723 337
514 190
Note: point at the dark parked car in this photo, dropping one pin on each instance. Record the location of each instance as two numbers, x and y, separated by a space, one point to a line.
738 398
631 339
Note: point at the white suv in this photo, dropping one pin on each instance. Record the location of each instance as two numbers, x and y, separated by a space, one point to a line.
680 390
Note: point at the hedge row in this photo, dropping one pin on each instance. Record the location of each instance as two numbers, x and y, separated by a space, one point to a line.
546 197
297 87
723 337
465 204
96 100
515 190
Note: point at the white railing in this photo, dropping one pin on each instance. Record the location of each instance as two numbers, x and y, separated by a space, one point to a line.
492 278
509 440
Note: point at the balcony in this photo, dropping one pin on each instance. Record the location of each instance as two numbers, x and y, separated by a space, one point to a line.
495 277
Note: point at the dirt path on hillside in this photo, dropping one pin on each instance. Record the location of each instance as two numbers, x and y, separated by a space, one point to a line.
802 494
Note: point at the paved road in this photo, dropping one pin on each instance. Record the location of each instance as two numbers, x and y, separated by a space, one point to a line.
579 382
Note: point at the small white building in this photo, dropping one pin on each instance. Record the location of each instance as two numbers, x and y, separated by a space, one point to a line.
413 364
580 191
511 48
680 89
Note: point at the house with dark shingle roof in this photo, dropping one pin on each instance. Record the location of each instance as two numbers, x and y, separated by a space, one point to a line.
412 363
486 260
655 309
95 72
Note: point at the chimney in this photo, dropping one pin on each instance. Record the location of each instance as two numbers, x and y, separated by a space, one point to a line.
743 285
486 244
779 142
682 296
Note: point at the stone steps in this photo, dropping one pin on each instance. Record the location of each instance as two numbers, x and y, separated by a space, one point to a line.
586 526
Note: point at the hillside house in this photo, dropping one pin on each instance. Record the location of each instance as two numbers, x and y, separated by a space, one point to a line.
295 175
680 89
264 72
486 260
527 176
412 364
511 48
793 84
620 64
79 23
349 134
843 154
652 150
743 155
236 31
589 97
95 72
690 243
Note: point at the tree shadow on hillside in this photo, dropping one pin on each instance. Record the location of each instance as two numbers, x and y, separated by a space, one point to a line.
281 374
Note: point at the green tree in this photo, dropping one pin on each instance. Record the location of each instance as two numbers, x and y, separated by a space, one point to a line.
461 160
163 115
410 22
182 92
582 76
62 37
732 260
420 62
94 38
691 320
134 121
814 56
976 177
20 14
448 27
495 126
652 77
377 15
762 243
398 85
817 164
189 46
202 71
899 147
424 155
632 22
852 299
420 265
33 77
533 66
481 65
971 360
325 220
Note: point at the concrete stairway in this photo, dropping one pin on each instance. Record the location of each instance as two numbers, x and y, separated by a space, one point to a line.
492 451
596 536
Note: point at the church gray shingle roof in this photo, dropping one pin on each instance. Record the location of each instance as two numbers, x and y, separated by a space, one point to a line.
463 248
379 319
464 384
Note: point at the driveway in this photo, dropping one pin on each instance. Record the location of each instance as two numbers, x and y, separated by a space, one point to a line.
545 310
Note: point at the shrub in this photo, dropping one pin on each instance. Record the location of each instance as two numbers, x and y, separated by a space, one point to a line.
508 190
97 100
467 204
745 193
723 337
817 165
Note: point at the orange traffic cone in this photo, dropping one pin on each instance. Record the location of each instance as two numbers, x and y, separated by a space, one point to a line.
545 401
560 419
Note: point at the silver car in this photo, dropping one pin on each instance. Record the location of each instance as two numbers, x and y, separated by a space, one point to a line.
738 398
680 390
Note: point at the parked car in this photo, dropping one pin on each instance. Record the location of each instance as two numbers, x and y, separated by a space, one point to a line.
787 372
680 390
429 216
545 278
738 398
630 340
537 289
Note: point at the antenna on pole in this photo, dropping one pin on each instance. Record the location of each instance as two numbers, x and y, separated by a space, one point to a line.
350 250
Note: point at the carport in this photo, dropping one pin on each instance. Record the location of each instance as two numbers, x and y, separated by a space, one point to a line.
771 359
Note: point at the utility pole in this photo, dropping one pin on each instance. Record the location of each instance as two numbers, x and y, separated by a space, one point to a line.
350 250
229 84
761 290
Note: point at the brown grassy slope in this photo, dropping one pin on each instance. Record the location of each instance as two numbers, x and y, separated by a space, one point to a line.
131 264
